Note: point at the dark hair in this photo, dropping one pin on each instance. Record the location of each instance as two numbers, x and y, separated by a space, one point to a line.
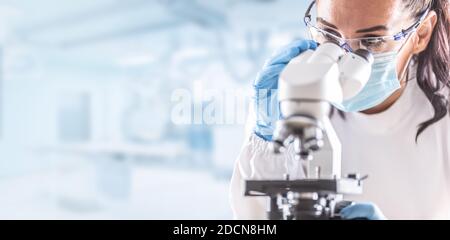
433 63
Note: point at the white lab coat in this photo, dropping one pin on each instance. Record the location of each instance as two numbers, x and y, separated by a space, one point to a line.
407 180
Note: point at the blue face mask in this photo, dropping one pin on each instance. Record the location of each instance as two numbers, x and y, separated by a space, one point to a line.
382 83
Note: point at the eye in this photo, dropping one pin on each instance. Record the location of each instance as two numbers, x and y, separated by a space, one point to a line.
331 32
329 35
373 42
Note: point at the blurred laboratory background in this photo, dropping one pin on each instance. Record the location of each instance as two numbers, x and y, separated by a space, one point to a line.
85 103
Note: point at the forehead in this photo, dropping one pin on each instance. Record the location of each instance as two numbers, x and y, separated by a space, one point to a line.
359 14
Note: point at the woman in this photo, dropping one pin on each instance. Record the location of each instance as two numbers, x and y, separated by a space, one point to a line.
396 130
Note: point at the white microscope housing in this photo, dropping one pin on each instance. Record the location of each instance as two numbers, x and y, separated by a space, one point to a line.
307 87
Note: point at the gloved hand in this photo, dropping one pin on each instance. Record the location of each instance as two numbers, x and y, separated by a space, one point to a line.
266 86
367 211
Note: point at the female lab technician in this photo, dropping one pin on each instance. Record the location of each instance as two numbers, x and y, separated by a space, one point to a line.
396 130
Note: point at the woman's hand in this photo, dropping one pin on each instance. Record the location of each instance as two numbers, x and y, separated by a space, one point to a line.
367 211
266 86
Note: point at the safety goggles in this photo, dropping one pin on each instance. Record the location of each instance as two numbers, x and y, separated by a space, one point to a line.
373 44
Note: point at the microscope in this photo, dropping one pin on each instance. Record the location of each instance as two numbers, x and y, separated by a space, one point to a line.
306 88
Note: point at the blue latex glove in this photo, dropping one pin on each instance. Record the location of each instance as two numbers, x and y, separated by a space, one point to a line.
367 211
266 86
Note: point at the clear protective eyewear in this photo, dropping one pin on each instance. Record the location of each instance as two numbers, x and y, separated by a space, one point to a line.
373 44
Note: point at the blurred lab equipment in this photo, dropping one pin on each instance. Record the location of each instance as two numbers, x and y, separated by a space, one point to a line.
145 118
74 117
201 145
1 91
307 86
86 86
146 115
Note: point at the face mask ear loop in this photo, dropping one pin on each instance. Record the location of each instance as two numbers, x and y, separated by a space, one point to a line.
405 71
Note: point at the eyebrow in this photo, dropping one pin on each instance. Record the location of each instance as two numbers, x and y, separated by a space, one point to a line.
365 30
372 29
324 22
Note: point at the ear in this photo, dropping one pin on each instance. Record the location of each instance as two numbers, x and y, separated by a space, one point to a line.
424 33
